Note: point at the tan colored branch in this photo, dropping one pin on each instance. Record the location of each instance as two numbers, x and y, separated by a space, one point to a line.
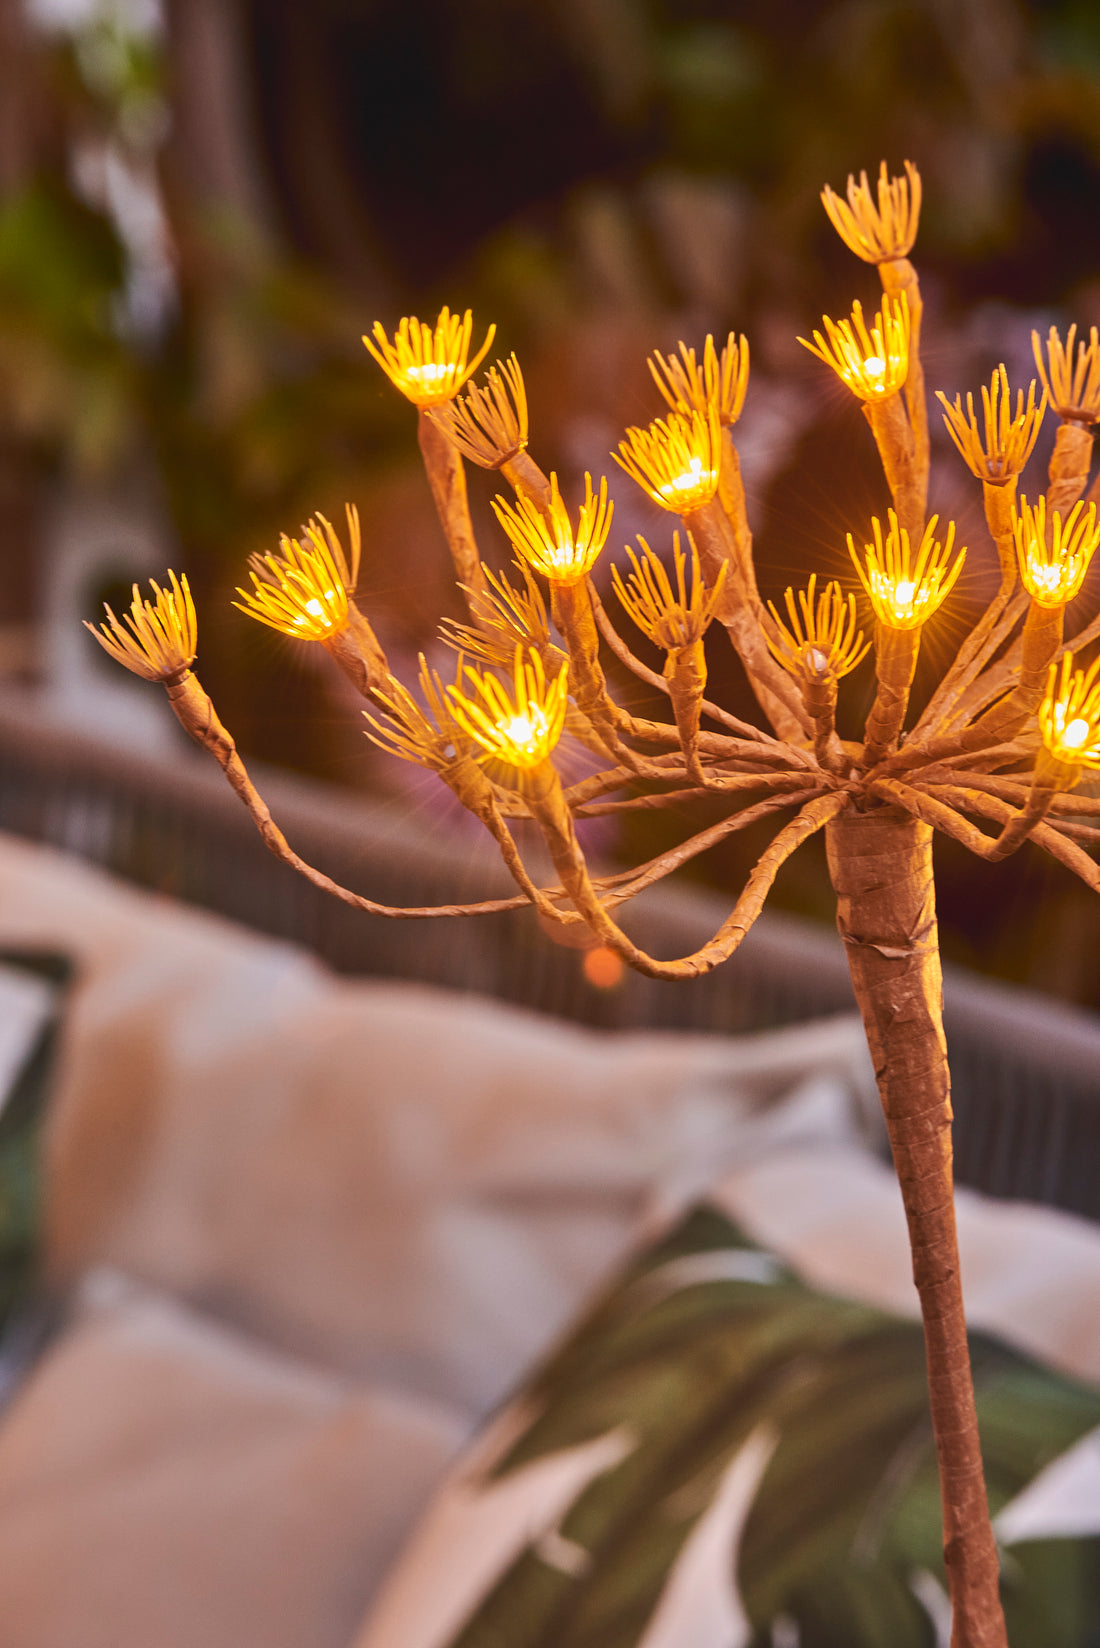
743 615
548 805
881 867
653 729
447 479
898 275
1070 463
1045 835
198 717
357 651
895 665
896 446
526 479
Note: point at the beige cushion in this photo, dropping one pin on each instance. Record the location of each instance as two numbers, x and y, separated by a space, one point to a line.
165 1483
406 1184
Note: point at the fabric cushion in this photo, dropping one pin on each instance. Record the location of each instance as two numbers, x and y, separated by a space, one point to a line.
405 1184
722 1455
166 1481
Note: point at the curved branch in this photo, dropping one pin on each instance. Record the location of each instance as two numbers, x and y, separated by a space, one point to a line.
647 874
196 714
730 783
574 875
936 813
1045 835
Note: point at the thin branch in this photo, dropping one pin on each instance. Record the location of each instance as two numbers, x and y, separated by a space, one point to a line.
659 684
647 874
668 798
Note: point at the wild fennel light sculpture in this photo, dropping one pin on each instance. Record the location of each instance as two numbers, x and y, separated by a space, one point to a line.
1007 733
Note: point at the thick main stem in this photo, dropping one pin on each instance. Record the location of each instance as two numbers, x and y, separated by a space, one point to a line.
881 867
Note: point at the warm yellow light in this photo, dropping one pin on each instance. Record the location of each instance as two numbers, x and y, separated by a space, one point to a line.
1069 716
1054 555
428 364
303 591
873 362
676 460
547 542
905 590
520 727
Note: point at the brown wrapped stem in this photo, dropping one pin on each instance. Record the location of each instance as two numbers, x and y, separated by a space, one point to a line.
197 716
981 644
527 480
356 650
447 479
819 696
898 275
999 498
1045 835
1041 639
742 613
1070 463
572 613
731 501
686 674
881 867
897 448
895 665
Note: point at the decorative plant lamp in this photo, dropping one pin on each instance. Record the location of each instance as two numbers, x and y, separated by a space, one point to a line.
1007 733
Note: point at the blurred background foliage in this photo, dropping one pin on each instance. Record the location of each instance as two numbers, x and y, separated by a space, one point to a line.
204 203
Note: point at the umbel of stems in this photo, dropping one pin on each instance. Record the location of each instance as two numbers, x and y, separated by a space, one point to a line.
992 758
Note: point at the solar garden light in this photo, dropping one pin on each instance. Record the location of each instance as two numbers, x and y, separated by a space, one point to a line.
992 760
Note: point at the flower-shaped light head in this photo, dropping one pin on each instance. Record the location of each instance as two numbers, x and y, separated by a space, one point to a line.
1073 388
303 591
1008 440
156 639
520 728
489 425
721 380
676 460
1069 716
428 365
504 616
905 590
547 542
672 618
821 642
429 737
1054 555
874 364
882 232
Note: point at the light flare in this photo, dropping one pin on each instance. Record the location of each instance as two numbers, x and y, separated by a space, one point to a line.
1069 715
676 460
520 727
906 589
1054 554
874 361
547 542
428 364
